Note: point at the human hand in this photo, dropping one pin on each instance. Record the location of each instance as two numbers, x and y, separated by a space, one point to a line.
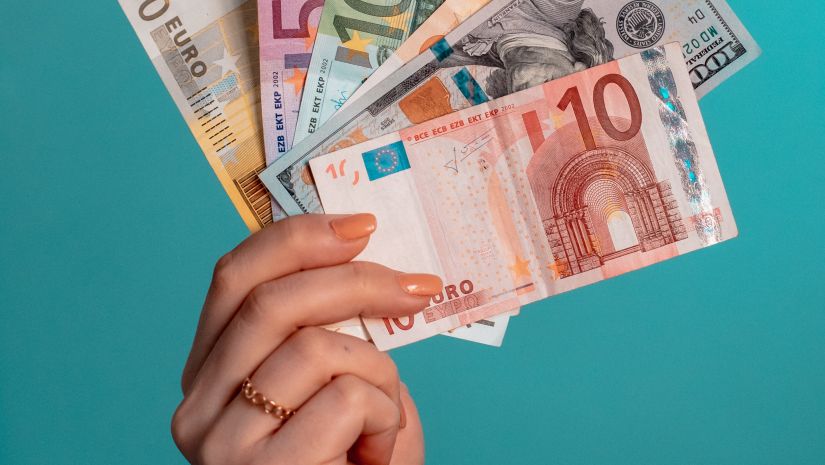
260 320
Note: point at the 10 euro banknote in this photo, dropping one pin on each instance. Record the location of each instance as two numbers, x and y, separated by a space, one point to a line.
543 191
509 45
353 39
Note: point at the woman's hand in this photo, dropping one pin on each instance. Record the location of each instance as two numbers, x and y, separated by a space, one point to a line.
260 321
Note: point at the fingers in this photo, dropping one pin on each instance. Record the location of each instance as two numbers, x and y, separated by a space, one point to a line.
302 366
348 410
294 244
275 310
409 444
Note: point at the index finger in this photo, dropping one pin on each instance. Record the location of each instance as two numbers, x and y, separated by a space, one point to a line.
288 246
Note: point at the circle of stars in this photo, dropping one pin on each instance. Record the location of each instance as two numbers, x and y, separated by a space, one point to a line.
380 156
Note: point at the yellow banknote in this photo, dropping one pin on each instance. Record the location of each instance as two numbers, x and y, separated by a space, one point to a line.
206 53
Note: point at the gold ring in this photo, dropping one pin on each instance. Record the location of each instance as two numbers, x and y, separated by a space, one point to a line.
278 411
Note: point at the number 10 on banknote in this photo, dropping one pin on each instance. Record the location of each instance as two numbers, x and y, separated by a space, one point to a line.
539 192
354 38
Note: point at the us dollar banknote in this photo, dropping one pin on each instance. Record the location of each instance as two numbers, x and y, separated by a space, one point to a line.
354 38
511 45
536 193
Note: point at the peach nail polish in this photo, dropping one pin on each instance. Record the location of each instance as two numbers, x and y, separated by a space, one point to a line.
353 226
420 284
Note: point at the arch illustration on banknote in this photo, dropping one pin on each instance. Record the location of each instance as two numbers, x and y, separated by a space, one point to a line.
505 45
601 204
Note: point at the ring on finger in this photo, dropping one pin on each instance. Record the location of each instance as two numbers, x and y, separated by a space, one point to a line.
256 398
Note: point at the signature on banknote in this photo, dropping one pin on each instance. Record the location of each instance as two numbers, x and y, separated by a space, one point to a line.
338 102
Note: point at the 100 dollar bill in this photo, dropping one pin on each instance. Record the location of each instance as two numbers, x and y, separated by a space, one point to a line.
537 193
509 45
354 37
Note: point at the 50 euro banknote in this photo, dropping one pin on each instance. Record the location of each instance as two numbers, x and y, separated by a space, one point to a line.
287 31
509 45
537 193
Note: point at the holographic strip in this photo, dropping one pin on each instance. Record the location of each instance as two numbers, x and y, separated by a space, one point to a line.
441 49
682 148
468 86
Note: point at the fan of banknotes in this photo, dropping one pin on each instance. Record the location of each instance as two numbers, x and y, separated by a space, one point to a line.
516 148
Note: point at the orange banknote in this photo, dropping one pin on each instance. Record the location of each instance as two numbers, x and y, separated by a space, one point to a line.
546 190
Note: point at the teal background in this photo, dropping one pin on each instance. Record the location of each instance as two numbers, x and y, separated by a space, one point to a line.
112 220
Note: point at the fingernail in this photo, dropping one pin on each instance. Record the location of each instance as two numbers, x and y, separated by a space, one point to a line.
420 284
353 226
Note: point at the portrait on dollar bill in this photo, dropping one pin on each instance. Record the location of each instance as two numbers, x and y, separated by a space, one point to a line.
534 42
